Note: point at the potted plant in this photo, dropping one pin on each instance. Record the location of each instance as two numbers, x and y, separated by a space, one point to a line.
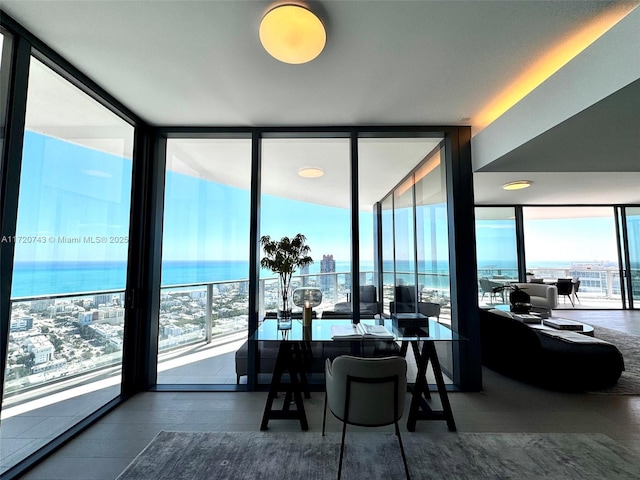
283 257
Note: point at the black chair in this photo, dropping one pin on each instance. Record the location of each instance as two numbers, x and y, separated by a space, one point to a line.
576 287
565 288
405 299
368 301
492 288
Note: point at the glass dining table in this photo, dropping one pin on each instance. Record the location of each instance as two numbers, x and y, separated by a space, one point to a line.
295 353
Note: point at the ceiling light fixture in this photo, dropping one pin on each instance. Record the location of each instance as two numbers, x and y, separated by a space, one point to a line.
310 172
292 33
518 185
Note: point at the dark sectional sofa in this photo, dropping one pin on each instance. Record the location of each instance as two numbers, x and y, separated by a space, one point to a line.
514 349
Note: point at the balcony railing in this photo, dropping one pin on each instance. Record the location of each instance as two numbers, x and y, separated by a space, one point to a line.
68 338
595 283
64 339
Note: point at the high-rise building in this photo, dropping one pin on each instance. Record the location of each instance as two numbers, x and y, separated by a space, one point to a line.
102 299
327 265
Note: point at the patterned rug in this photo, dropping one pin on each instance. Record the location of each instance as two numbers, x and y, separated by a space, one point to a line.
309 456
629 346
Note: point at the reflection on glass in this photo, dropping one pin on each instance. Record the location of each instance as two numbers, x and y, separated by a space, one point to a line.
70 260
375 181
404 242
415 241
388 262
205 259
432 239
410 223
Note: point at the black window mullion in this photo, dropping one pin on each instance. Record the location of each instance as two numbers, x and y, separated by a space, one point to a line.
17 78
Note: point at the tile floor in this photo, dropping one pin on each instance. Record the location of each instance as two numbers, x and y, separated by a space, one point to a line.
504 405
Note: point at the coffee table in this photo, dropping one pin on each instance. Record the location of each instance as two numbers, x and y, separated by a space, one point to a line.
563 322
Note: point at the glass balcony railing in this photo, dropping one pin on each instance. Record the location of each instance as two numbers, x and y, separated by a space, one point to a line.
67 339
63 340
600 287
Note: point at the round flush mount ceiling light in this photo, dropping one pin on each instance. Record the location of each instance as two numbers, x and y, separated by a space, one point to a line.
517 185
292 33
310 172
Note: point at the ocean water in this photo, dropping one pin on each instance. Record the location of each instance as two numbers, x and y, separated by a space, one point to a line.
56 278
32 279
51 278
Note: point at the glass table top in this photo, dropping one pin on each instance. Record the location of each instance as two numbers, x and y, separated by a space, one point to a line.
320 331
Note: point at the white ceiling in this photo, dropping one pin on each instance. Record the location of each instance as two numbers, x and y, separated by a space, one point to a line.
399 62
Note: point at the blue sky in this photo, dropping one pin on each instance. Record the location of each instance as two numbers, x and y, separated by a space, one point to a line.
75 192
72 191
555 240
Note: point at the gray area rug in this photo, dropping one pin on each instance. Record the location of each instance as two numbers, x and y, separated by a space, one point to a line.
309 456
629 346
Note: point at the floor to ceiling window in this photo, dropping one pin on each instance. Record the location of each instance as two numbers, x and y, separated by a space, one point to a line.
375 181
394 191
633 262
205 260
497 253
388 263
415 239
578 243
404 242
4 95
70 263
305 189
432 238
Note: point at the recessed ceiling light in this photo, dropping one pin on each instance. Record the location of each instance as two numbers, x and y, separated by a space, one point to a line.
310 172
517 185
292 33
